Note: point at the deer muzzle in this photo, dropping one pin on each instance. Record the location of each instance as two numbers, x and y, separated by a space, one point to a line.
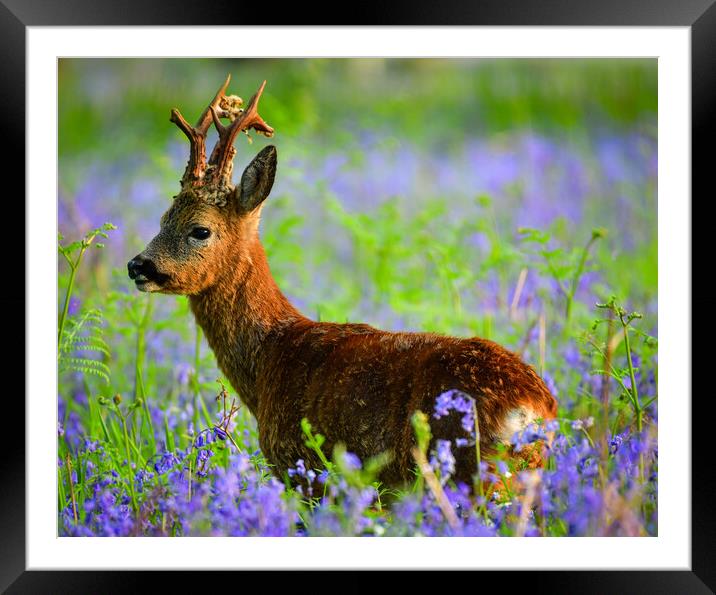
142 270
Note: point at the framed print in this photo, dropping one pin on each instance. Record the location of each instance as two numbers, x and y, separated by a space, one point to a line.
471 278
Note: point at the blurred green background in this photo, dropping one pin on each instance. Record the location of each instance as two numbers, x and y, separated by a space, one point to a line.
436 101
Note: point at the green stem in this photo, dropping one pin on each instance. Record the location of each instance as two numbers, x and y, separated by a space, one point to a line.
129 459
68 465
60 481
577 275
73 271
632 377
197 352
68 295
105 431
197 387
139 391
138 365
141 348
61 489
317 449
638 411
194 377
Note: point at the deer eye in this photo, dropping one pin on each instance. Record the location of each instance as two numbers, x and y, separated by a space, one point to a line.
200 233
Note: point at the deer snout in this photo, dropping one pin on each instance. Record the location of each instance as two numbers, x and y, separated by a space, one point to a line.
145 274
135 267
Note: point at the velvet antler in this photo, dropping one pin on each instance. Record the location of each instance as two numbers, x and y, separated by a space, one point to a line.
217 172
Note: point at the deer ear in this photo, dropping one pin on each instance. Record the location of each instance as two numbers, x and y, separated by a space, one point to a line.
257 180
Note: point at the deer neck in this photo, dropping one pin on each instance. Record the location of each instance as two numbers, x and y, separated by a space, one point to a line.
237 315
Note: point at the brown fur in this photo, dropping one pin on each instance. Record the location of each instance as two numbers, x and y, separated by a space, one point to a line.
356 384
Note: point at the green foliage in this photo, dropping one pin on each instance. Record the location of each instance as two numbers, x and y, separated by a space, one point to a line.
314 442
366 475
84 336
625 320
566 267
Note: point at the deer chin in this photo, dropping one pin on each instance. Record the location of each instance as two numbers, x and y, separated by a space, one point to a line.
151 281
150 286
147 286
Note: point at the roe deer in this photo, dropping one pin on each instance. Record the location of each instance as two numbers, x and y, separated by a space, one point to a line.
356 384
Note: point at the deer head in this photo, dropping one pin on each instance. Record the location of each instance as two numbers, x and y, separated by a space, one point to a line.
211 223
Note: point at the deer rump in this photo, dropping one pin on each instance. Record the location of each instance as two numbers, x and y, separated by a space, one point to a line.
360 386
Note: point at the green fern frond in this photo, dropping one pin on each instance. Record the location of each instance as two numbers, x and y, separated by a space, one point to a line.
94 372
84 335
86 344
83 361
85 366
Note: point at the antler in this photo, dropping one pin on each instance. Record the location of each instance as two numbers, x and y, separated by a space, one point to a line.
220 164
197 136
221 161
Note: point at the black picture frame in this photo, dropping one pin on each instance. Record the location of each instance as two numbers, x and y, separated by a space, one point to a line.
17 15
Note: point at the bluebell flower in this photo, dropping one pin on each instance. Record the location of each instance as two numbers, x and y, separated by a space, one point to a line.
455 400
351 461
615 443
443 461
166 461
90 445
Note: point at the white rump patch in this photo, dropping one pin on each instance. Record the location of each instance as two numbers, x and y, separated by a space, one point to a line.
515 421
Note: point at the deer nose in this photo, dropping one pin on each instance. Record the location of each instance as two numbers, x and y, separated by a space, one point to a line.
135 266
